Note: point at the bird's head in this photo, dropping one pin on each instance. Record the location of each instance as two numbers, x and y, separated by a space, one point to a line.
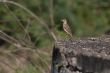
64 21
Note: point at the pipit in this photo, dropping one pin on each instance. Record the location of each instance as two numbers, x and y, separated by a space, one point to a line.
66 27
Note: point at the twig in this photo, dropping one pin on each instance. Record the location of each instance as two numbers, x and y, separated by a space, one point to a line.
51 12
11 40
18 21
26 29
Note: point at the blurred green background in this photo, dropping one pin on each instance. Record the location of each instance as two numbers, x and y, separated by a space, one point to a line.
32 21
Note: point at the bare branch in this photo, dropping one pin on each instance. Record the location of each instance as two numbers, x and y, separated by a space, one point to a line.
51 12
30 12
18 21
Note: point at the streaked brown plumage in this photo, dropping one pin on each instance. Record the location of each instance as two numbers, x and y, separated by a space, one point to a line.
66 27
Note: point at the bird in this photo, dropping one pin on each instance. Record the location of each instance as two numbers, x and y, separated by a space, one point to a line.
66 27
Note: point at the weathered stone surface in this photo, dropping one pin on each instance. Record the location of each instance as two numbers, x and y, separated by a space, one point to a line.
86 55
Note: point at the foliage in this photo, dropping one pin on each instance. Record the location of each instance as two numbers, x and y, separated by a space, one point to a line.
86 18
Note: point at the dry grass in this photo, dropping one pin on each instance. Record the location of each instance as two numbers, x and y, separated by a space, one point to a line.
21 60
21 56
